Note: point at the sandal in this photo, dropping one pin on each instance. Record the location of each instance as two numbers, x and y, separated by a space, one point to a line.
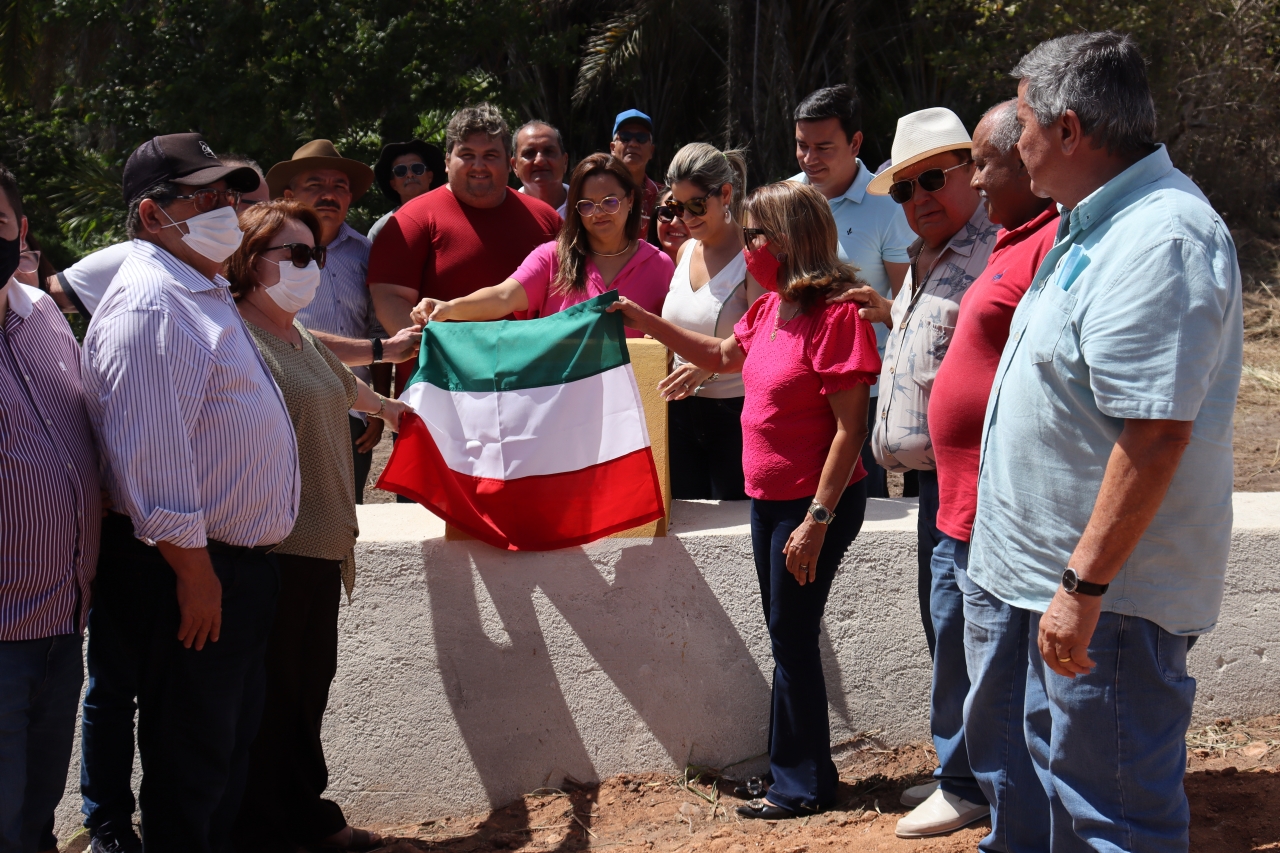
359 840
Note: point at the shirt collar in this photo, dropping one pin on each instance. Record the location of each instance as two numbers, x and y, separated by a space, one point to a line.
857 190
1032 225
183 273
21 302
1099 204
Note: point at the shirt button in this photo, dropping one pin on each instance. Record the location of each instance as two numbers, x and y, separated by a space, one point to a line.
890 371
26 377
48 422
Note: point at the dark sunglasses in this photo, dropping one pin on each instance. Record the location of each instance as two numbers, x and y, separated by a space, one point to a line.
643 137
671 208
930 181
749 234
207 200
608 204
301 254
404 169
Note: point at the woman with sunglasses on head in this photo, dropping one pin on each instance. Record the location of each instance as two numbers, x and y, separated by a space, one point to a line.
671 233
709 294
273 275
600 248
807 368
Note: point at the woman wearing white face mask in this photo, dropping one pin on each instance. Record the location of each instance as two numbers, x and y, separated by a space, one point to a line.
273 275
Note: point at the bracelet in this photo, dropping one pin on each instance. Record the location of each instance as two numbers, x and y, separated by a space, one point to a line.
377 350
382 407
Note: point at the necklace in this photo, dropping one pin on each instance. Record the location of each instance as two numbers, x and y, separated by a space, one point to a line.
778 316
615 254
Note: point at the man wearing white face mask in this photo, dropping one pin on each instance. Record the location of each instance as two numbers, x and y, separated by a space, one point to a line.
204 481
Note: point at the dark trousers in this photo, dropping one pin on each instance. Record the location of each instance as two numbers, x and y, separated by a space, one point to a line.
927 538
283 806
39 690
198 711
363 461
705 438
877 480
804 776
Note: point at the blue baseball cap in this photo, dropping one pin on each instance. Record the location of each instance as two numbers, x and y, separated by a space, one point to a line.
630 115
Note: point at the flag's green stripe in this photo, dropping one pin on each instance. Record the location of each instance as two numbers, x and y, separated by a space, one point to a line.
507 355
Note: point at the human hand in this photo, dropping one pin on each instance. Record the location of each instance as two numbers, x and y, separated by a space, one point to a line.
199 605
372 434
429 310
403 345
633 315
802 550
682 382
1065 631
875 308
391 412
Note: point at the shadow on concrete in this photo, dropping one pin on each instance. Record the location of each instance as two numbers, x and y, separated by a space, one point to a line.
890 509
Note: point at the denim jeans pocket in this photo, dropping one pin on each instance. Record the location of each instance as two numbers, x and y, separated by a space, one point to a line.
1171 654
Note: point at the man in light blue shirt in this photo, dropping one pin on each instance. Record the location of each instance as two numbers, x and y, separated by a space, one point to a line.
1104 495
873 231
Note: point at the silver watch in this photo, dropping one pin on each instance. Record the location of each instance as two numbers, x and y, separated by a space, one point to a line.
821 515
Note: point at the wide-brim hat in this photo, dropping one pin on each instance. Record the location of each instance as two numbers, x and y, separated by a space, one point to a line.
921 135
432 156
319 154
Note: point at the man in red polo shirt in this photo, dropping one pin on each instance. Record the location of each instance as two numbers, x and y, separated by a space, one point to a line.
997 750
473 232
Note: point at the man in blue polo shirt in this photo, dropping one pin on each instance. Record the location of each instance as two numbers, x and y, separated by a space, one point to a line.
1104 488
873 230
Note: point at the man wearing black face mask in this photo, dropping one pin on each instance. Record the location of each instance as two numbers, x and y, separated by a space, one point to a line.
50 546
204 484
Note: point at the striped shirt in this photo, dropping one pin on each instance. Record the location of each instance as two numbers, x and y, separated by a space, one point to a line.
194 430
342 305
50 501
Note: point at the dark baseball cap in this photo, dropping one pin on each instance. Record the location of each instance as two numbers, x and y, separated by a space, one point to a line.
183 158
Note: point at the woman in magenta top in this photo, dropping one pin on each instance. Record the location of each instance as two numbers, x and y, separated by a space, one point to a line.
599 249
807 368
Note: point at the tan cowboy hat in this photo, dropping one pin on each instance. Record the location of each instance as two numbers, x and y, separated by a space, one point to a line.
920 135
319 154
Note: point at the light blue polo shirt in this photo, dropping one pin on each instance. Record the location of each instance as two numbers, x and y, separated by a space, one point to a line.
1135 313
872 229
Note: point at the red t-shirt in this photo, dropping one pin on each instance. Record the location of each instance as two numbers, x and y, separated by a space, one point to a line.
958 403
444 249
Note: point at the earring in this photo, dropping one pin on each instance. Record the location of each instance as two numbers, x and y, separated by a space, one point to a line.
728 215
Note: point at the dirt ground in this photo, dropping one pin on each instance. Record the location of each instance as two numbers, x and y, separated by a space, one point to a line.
1232 782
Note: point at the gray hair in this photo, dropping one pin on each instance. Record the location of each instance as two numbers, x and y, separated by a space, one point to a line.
1103 78
163 194
710 169
540 123
1005 130
480 118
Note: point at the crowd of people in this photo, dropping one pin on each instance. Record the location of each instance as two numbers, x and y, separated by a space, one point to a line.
1039 323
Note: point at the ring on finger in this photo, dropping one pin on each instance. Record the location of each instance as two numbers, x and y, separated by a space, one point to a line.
1063 660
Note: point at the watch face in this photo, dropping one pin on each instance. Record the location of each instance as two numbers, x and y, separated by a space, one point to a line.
1069 580
820 515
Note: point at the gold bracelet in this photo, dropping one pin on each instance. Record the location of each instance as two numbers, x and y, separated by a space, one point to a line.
382 407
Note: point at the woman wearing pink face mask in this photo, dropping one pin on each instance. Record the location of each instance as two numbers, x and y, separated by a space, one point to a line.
807 368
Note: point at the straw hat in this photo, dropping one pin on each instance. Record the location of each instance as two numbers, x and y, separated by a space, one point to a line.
921 135
319 154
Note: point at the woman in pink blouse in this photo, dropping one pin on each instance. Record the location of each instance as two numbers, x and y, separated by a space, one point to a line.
807 367
599 249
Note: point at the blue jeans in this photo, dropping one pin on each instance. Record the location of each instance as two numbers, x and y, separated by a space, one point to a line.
996 645
1109 747
804 776
927 538
950 670
39 690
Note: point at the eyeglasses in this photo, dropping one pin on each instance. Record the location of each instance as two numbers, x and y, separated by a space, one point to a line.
28 261
671 208
642 137
301 254
749 234
608 204
931 180
404 169
207 200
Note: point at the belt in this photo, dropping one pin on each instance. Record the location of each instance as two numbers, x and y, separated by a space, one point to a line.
216 547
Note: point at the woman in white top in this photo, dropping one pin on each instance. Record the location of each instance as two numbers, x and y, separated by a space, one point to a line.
710 292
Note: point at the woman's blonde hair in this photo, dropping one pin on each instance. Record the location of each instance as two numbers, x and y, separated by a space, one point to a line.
802 233
709 169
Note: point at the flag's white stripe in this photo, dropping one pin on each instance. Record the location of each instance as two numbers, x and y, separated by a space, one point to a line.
503 435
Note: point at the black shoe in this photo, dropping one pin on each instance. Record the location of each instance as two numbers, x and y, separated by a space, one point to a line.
112 840
752 789
765 810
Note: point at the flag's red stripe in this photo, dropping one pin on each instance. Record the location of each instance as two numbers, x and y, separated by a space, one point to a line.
530 513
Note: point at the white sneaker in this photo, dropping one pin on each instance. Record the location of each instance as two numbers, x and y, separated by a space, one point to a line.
940 813
913 797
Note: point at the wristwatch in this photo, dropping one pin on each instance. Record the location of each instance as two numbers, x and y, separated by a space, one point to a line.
1071 583
377 350
821 515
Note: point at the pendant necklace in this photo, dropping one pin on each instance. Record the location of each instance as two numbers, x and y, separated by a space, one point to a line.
777 316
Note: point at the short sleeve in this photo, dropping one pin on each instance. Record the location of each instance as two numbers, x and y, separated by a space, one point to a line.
744 330
400 252
1152 341
534 275
898 237
843 349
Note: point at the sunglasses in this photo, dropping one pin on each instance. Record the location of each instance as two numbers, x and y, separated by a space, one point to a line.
671 209
643 137
207 200
930 181
609 205
301 254
28 261
403 170
749 234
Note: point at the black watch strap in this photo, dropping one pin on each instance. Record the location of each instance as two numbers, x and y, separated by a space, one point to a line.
377 350
1071 583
